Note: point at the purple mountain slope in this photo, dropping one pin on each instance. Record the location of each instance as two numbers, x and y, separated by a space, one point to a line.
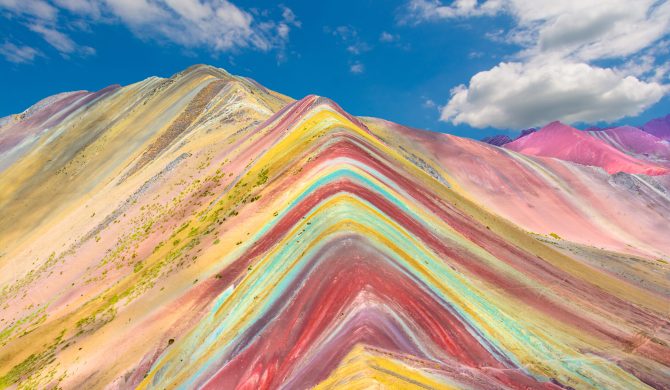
659 127
501 139
497 140
525 132
636 142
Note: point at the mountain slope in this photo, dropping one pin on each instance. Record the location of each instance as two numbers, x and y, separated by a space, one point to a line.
501 139
240 239
497 140
659 127
567 143
637 143
19 132
101 143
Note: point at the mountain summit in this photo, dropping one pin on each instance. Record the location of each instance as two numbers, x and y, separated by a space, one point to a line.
202 231
564 142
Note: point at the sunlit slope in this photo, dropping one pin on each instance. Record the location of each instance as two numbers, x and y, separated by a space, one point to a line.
107 138
622 212
237 239
558 140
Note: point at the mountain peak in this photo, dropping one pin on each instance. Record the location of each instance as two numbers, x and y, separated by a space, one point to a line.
555 123
557 126
204 69
567 143
203 231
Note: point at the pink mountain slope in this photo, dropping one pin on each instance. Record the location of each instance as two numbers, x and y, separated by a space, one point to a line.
633 141
567 143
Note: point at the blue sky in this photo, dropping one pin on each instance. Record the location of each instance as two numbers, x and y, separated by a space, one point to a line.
464 67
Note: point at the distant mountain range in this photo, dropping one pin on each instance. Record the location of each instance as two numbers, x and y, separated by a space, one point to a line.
203 231
628 149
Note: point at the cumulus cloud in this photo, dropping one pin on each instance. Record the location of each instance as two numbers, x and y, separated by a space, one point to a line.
18 54
518 95
214 25
553 76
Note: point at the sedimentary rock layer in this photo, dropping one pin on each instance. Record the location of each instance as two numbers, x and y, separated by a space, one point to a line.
209 233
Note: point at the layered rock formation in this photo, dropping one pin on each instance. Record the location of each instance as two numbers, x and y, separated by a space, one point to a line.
202 231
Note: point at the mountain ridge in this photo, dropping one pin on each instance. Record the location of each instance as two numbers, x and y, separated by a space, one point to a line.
273 242
567 143
636 142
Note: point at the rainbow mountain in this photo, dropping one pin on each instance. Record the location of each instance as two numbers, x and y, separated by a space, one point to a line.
202 231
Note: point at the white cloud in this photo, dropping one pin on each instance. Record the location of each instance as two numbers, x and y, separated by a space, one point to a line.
289 17
644 66
358 48
289 20
553 76
344 33
422 10
582 29
18 54
218 25
80 7
387 37
590 30
41 17
357 68
348 36
283 30
661 73
135 13
33 8
429 103
518 95
214 25
61 42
